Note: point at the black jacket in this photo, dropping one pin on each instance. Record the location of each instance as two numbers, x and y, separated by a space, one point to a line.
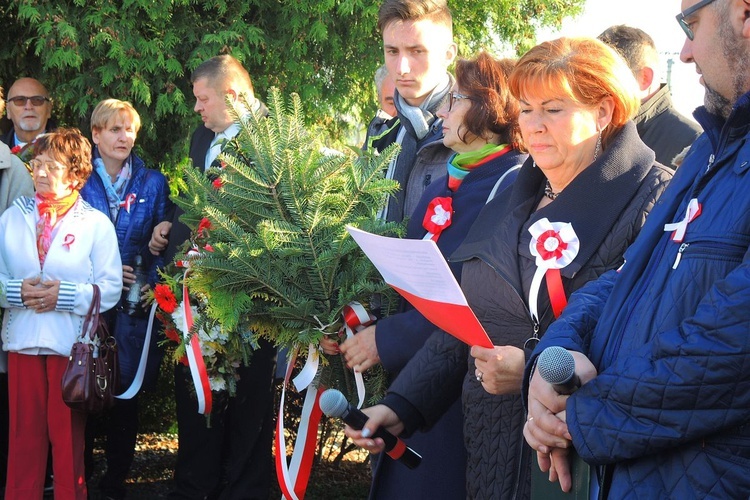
663 129
606 204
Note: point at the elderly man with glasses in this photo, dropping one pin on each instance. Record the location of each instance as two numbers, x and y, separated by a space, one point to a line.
662 345
29 107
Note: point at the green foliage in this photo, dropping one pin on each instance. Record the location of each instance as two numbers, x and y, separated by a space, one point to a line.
280 262
144 51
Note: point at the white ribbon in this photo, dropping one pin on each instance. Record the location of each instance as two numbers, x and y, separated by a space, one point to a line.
680 228
364 318
140 373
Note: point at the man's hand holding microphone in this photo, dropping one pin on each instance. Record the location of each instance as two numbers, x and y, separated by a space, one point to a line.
558 374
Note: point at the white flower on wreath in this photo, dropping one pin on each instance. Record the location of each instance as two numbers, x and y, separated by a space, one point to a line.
178 319
217 383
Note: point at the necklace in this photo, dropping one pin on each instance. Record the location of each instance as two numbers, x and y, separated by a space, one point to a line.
548 191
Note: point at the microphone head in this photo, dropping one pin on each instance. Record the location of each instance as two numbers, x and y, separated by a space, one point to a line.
556 365
333 403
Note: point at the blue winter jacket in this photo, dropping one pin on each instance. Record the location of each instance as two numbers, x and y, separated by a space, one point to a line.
134 230
670 336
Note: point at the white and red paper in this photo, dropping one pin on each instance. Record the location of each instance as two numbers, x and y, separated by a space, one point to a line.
418 271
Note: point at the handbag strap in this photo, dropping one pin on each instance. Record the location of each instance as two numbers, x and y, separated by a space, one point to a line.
91 322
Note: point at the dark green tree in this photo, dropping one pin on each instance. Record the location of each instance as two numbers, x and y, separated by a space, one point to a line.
144 51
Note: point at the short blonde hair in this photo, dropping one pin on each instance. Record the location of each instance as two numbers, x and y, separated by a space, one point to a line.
108 109
585 70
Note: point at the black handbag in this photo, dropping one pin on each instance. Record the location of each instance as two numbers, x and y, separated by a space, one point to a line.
90 379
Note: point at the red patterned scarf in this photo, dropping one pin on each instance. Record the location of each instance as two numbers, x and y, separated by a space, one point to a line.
51 211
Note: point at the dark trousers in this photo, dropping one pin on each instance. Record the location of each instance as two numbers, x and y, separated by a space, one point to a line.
120 425
231 459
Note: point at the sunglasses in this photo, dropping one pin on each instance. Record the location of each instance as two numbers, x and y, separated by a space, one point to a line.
36 100
453 97
687 13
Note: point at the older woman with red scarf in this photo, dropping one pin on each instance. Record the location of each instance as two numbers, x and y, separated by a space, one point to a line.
53 248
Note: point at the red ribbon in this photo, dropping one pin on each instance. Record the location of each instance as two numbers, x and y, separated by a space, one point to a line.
293 484
129 200
195 347
557 297
438 216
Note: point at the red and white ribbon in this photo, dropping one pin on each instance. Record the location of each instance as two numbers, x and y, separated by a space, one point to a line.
293 477
356 318
438 217
555 245
680 228
129 200
197 366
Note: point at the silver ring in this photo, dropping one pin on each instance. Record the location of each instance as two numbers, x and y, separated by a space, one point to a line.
479 377
42 302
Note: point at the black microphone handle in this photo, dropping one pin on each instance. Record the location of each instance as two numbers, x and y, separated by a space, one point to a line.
394 447
568 387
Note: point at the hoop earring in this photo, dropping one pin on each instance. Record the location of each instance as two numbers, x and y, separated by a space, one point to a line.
598 147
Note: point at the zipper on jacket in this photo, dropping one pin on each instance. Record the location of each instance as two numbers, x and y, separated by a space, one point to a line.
427 180
677 259
711 159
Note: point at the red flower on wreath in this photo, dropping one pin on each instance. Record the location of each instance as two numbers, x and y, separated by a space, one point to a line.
172 334
204 227
165 298
217 183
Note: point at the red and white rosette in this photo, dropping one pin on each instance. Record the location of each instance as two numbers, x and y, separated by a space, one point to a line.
198 370
438 217
555 245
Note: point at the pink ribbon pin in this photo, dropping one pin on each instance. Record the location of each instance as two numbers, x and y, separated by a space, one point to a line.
68 240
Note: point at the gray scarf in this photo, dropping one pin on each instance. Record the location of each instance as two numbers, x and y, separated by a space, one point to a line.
416 123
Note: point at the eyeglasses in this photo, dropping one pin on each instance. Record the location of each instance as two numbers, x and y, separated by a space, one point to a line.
36 100
49 166
687 13
455 96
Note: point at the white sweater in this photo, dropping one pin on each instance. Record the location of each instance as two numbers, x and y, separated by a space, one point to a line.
83 251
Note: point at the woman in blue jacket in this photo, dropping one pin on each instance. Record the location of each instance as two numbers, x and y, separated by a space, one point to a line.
135 198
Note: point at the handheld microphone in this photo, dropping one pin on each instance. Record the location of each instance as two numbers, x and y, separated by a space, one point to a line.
334 404
557 367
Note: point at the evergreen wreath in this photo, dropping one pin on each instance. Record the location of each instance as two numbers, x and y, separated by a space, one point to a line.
273 256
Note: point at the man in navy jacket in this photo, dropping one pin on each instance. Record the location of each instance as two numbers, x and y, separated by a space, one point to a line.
661 345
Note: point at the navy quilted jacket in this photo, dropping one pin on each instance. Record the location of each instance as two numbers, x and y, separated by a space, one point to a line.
133 234
670 407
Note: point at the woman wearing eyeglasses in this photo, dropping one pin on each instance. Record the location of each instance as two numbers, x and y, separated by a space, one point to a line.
479 122
53 248
576 205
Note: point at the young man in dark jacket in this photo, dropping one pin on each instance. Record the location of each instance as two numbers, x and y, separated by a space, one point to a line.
660 125
661 345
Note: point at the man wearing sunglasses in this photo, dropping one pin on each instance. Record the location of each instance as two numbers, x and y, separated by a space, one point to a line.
29 107
662 345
